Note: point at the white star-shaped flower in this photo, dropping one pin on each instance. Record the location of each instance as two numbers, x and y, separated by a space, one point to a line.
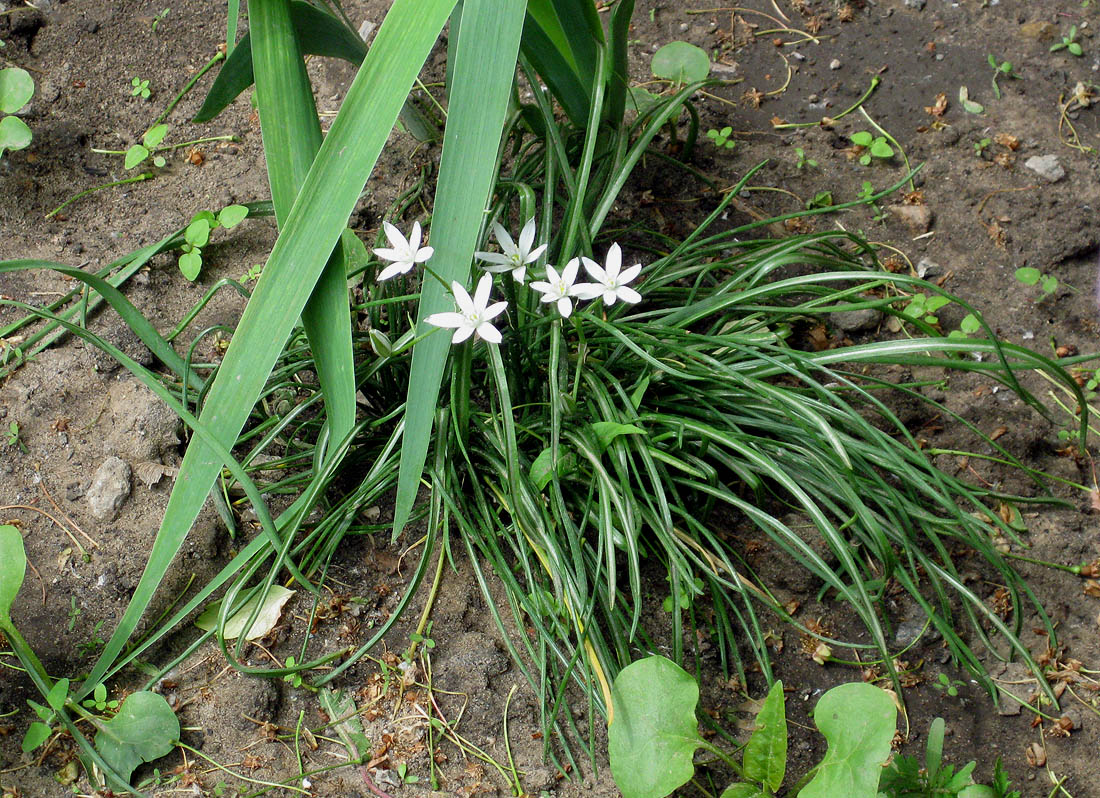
404 253
610 283
560 288
513 258
474 314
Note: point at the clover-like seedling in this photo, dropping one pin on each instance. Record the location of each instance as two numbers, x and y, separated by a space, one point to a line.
99 701
721 138
980 145
872 146
1069 43
16 90
1002 69
197 235
1028 275
140 88
137 154
803 161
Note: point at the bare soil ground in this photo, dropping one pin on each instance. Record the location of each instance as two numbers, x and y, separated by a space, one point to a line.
981 213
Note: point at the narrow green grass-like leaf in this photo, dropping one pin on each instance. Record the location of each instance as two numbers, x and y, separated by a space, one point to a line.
478 104
316 221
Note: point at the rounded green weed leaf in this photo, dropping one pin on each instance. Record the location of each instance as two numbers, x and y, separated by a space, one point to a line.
144 729
154 136
1028 275
135 155
859 721
16 89
13 567
197 233
14 134
654 733
862 138
37 733
880 149
190 264
232 215
681 62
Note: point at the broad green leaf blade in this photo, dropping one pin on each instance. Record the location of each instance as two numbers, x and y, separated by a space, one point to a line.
271 609
57 695
765 758
478 104
653 734
560 75
144 729
232 215
292 136
319 33
190 264
13 567
859 721
344 715
154 136
316 220
16 89
14 134
933 750
135 155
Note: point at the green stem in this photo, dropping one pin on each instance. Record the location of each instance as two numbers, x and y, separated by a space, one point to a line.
190 84
730 761
74 198
1072 569
894 141
791 125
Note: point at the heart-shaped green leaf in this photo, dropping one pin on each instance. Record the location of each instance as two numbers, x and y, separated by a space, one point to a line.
862 138
766 753
859 721
681 62
144 729
191 264
607 431
197 233
880 149
154 136
742 790
13 567
16 89
14 134
653 734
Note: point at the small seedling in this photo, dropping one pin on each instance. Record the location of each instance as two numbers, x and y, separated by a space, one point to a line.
948 685
907 776
924 307
1069 42
967 104
138 153
1029 275
404 775
980 145
197 235
99 701
74 612
16 90
721 138
685 598
293 679
159 17
253 273
13 437
865 193
95 642
822 199
1002 69
803 161
140 88
871 146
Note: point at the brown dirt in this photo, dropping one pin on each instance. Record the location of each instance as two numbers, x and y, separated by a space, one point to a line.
990 215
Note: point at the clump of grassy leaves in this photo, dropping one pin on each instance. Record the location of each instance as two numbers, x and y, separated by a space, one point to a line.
579 448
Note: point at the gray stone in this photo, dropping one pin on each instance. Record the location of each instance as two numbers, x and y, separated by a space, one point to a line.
1046 166
917 4
110 488
856 320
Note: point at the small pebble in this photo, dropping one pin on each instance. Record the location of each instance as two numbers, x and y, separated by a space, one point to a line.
835 64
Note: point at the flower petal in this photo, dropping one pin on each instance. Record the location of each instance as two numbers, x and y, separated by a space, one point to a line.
565 306
629 274
390 254
462 333
519 273
414 237
462 299
614 261
505 240
527 236
487 332
494 257
534 254
586 290
493 310
423 254
481 294
397 241
394 269
569 273
450 319
595 271
628 294
609 297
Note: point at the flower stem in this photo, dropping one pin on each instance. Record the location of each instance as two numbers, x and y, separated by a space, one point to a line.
460 389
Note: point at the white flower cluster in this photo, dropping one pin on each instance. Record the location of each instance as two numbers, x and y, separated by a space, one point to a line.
474 314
